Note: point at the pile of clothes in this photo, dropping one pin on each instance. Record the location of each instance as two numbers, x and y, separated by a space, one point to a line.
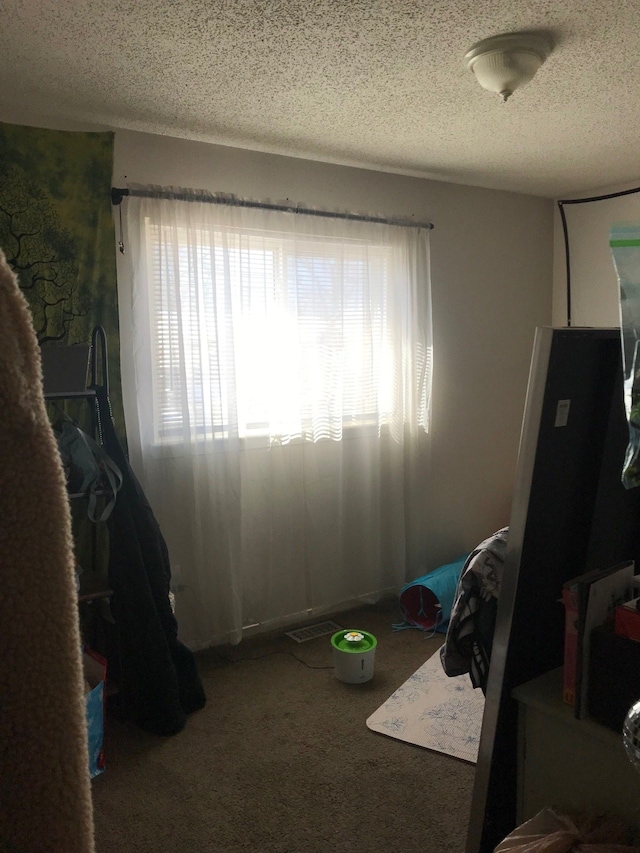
467 648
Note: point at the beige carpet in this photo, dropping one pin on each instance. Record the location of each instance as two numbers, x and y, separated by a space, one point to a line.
281 761
434 711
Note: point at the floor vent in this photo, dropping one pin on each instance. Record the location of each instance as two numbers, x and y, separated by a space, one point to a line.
301 635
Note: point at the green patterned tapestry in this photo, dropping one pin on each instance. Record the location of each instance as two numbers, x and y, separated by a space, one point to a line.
56 230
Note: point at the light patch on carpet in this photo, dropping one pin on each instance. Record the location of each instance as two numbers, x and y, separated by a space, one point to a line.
434 711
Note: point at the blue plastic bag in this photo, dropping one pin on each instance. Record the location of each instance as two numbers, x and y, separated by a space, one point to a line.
624 241
95 669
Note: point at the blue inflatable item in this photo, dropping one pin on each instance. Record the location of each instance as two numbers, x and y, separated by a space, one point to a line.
427 602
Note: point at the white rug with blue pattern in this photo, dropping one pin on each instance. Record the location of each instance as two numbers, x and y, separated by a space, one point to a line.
434 711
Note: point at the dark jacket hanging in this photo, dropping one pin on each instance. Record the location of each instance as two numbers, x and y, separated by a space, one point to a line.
160 684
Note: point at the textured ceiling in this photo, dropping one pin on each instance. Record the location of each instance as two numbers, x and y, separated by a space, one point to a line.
374 83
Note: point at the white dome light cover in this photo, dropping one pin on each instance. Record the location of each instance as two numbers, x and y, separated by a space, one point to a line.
504 63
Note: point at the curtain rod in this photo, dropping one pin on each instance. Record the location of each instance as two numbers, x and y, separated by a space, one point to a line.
118 193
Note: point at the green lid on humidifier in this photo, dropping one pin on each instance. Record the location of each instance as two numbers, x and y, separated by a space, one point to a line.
354 641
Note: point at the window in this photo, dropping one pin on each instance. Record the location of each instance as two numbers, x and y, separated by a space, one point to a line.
265 332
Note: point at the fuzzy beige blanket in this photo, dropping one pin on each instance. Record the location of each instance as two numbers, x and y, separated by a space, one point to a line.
45 794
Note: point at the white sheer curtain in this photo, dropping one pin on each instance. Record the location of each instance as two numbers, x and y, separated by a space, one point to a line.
282 376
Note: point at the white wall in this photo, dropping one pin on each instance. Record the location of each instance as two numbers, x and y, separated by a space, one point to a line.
594 285
492 285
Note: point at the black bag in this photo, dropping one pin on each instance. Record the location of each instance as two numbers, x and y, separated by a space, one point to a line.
88 468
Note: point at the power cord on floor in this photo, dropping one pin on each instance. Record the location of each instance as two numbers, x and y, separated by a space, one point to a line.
269 654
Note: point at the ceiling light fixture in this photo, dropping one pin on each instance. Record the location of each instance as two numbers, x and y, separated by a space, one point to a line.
504 63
